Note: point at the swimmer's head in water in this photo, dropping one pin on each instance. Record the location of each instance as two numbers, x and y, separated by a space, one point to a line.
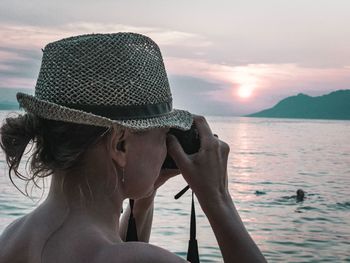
300 194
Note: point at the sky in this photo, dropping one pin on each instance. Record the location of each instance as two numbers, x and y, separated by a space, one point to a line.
222 57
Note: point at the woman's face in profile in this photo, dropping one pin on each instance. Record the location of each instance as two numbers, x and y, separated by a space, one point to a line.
146 154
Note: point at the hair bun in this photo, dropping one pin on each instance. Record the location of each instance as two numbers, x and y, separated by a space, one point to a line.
16 133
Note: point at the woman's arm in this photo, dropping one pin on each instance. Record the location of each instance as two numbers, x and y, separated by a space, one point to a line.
206 174
143 213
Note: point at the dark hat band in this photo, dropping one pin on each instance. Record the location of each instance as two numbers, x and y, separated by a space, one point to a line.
125 112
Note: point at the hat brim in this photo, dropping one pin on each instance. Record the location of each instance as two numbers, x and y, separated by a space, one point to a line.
179 119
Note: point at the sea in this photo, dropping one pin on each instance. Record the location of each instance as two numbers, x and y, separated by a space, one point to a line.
270 159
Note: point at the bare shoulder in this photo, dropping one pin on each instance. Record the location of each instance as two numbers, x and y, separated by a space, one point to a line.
11 231
13 238
130 252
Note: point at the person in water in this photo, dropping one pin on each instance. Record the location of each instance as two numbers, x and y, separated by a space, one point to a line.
300 195
99 123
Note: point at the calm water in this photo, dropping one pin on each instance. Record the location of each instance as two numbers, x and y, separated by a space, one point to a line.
269 160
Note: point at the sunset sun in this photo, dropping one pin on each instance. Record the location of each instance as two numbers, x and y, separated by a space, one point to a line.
245 92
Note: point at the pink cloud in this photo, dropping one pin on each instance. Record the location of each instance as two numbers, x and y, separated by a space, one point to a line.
17 82
262 80
8 55
268 83
33 37
259 76
24 37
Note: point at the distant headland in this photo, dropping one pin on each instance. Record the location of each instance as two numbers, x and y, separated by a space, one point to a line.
335 106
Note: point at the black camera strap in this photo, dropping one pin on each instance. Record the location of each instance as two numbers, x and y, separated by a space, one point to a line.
192 252
131 234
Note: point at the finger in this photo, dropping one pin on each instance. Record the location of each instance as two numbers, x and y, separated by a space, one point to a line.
176 151
204 131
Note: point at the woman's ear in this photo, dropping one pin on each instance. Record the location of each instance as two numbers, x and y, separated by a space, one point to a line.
121 146
117 146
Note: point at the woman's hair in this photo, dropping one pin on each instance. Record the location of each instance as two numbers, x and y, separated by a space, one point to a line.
55 145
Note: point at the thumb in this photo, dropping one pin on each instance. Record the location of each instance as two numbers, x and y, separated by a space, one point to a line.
176 151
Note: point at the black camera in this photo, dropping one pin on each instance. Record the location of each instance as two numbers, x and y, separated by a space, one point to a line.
189 141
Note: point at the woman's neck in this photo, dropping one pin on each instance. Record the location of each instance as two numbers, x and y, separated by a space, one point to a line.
86 195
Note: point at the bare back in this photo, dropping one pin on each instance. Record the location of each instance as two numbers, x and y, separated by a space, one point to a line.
24 239
45 236
48 236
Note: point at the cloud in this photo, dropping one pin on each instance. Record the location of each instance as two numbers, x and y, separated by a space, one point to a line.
239 32
194 94
207 97
8 55
261 76
17 83
20 45
268 83
203 71
31 37
19 63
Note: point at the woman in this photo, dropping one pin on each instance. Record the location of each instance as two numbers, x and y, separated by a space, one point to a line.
99 121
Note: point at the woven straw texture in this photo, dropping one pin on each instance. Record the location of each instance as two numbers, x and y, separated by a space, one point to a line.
120 69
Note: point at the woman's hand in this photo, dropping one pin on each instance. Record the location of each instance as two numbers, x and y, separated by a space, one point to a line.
206 170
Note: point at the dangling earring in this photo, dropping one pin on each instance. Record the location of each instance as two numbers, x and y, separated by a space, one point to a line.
116 180
122 182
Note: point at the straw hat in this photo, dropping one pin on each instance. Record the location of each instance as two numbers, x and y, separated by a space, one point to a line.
105 79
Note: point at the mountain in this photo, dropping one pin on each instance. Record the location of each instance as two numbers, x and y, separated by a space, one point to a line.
335 105
8 99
